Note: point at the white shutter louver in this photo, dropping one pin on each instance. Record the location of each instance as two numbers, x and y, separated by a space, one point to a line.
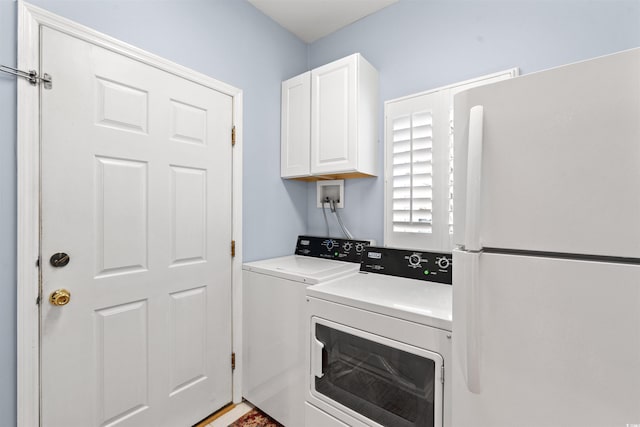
412 180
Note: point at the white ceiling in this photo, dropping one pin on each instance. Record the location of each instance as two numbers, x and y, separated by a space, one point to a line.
314 19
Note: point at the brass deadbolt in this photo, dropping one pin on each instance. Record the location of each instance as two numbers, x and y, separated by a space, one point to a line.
60 297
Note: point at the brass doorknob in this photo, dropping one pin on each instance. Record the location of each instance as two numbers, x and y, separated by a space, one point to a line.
60 297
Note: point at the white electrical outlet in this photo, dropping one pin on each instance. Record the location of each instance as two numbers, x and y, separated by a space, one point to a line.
333 190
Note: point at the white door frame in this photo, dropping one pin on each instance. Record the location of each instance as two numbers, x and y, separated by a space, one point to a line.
30 20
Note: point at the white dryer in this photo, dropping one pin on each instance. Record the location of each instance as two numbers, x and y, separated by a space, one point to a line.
274 328
380 343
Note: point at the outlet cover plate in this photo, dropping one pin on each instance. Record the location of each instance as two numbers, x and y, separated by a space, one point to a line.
332 188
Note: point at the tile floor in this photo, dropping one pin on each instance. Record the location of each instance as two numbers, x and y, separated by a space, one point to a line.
232 415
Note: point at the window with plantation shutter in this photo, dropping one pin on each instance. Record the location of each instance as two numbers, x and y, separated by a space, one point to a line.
419 161
414 212
413 172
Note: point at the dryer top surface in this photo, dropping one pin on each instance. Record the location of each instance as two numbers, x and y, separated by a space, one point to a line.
302 269
427 303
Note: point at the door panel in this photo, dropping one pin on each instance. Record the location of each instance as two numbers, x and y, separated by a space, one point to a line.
188 219
558 343
136 188
121 185
121 340
334 116
296 126
560 159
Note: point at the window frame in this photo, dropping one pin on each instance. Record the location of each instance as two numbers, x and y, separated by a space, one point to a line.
441 102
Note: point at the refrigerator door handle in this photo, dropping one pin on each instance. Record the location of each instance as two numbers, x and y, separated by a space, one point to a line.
474 177
468 295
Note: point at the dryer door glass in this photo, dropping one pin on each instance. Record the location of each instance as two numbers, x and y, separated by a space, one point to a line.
388 385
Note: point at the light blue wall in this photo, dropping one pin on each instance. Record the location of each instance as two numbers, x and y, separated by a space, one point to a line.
226 39
418 45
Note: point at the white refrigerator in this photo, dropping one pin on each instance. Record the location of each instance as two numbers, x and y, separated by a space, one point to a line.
546 283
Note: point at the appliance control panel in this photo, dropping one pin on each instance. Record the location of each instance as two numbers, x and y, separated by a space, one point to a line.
420 265
330 248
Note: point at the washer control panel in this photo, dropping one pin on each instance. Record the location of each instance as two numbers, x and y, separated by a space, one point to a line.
420 265
330 248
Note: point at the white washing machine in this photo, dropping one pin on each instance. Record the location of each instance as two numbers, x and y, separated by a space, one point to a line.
274 328
380 343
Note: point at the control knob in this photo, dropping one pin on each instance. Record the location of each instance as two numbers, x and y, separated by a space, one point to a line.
415 260
329 244
359 247
444 263
347 246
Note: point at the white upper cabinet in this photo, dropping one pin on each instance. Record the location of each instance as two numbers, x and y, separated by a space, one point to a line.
344 129
341 138
295 125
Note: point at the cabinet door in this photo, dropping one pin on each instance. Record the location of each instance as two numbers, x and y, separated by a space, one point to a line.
334 117
296 130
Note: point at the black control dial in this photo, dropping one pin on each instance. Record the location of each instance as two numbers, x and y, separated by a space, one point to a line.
415 260
444 263
359 247
329 244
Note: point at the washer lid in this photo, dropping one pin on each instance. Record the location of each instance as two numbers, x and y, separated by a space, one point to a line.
302 269
427 303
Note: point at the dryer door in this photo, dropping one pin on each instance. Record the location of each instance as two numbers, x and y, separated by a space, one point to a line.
373 378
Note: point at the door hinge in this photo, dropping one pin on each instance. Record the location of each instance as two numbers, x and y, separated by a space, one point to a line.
233 361
233 248
233 136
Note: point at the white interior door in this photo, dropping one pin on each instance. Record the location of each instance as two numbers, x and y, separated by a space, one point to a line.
136 189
